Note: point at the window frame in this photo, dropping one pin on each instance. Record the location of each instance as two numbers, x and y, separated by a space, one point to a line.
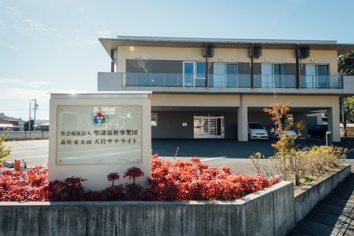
153 121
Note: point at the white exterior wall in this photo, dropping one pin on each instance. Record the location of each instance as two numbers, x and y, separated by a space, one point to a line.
224 55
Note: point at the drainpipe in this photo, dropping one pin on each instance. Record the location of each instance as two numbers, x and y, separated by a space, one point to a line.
252 76
297 67
206 67
112 57
343 117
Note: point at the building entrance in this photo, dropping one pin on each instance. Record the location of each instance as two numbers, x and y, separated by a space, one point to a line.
208 125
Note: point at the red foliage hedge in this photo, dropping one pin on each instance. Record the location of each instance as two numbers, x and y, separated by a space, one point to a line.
170 181
24 186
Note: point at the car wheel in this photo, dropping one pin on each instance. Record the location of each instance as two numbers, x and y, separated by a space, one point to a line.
249 137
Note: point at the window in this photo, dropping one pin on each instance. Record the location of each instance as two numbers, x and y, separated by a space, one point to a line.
225 75
153 119
317 76
273 75
201 70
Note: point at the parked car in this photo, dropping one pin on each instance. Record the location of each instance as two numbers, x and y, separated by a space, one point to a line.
273 132
317 131
256 131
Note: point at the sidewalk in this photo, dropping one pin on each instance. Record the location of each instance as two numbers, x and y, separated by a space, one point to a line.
333 215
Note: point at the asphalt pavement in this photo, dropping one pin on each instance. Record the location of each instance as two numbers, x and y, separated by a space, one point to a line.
214 152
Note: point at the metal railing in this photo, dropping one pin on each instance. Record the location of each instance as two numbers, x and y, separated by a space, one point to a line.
230 81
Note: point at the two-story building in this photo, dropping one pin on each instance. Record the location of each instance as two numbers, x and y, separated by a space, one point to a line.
212 88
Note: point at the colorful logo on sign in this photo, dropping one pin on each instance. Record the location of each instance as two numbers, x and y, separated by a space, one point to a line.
99 119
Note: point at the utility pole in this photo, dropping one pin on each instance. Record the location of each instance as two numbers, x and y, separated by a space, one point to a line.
35 109
29 118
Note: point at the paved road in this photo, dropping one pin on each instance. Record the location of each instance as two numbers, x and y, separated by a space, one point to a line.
213 152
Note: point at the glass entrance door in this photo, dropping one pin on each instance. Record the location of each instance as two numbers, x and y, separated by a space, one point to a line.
188 74
208 126
219 75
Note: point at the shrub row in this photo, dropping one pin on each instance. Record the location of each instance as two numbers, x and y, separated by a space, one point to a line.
175 180
307 163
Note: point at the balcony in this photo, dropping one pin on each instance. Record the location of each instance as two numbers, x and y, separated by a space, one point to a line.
230 81
234 83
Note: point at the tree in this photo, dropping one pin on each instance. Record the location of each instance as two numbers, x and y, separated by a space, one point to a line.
349 109
26 125
346 63
5 148
346 67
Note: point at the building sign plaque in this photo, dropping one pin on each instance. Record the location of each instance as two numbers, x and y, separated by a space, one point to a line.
99 134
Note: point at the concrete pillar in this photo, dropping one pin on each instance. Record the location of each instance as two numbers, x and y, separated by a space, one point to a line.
333 122
242 116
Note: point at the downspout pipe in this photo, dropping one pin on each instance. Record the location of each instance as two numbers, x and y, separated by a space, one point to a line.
206 67
297 67
252 72
112 62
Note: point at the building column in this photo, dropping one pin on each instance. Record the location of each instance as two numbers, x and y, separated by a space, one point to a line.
242 117
333 123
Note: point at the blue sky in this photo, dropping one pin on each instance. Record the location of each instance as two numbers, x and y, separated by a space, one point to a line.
53 45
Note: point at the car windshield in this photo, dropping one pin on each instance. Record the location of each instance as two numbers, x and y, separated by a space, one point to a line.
255 126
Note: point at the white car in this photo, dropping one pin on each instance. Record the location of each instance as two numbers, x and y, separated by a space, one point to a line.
273 132
256 131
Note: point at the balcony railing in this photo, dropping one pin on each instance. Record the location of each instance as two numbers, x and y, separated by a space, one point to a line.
230 81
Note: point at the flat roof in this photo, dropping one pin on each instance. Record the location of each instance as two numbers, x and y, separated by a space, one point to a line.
113 43
112 95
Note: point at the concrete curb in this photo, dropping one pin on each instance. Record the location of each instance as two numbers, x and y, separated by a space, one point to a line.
309 195
267 212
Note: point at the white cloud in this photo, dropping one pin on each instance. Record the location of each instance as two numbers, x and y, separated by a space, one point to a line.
14 47
5 81
81 42
104 33
13 10
35 25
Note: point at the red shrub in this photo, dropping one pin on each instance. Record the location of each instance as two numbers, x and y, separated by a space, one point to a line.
93 195
22 186
133 173
170 181
114 193
194 180
112 177
68 190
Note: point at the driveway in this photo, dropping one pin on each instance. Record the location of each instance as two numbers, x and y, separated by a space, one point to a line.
214 152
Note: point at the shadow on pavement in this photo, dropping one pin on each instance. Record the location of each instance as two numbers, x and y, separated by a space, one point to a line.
230 148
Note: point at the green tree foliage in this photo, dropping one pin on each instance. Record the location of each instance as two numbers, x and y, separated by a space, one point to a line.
26 125
5 148
346 63
346 67
349 109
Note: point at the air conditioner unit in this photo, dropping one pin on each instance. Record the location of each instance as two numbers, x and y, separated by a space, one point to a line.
304 52
208 51
257 52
